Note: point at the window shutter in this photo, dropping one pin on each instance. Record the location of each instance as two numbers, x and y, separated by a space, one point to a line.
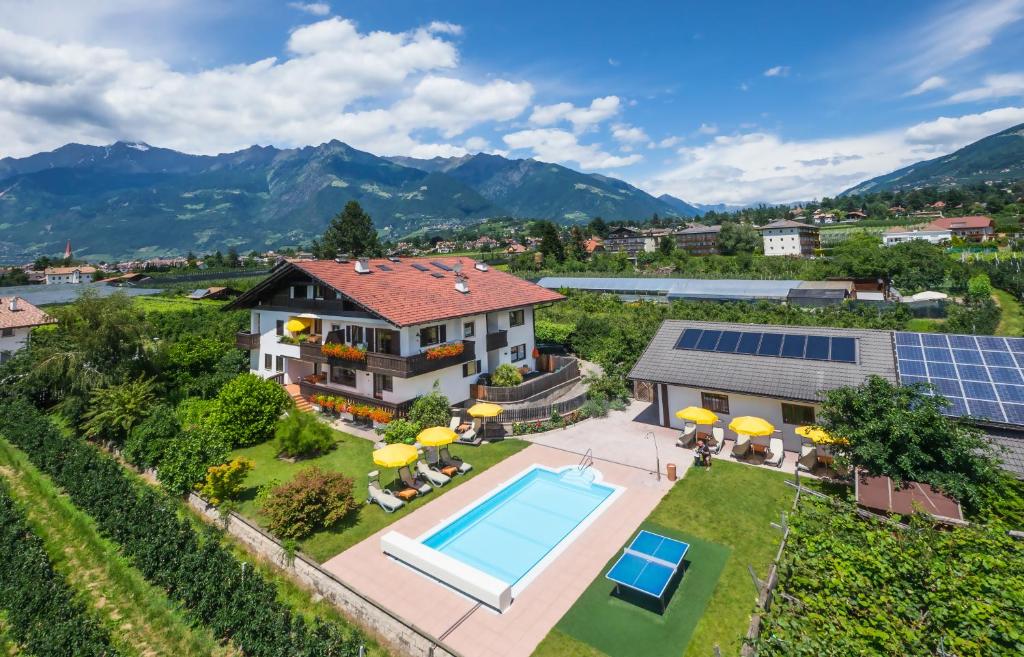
348 333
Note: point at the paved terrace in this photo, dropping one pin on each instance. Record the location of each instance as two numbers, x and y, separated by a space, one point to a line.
516 633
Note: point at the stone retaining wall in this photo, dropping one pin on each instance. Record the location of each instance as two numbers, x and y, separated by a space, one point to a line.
400 635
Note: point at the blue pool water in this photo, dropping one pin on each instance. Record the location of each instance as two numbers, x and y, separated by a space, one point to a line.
510 532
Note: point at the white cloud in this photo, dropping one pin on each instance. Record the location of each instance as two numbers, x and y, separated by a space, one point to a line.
761 166
954 35
442 27
373 90
581 118
777 72
669 142
707 129
628 134
1000 85
553 145
614 62
931 84
314 8
744 86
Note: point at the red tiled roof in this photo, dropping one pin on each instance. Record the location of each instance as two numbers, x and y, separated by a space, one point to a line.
406 296
963 222
63 271
26 315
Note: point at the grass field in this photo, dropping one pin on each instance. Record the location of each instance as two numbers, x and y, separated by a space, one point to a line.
141 620
924 325
168 304
1012 321
352 456
727 512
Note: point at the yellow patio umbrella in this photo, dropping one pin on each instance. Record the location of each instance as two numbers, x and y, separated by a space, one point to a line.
296 324
752 426
484 409
819 436
697 415
395 456
436 437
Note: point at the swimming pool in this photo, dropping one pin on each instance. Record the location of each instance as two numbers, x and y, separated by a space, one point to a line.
493 548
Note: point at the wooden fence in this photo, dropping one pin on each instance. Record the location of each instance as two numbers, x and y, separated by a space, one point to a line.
564 369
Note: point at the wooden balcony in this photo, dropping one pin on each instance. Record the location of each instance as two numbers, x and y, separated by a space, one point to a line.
399 409
247 340
409 366
497 340
310 351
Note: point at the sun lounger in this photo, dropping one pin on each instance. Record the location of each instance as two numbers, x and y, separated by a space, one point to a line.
434 462
446 459
433 476
416 483
776 453
808 457
687 436
379 496
718 433
742 445
470 437
454 423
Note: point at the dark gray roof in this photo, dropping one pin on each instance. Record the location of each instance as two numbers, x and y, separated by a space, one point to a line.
700 229
1009 450
786 223
782 378
816 293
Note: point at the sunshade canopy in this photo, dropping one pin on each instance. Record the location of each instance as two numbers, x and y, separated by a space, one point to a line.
395 456
483 409
819 436
752 426
436 437
298 324
697 415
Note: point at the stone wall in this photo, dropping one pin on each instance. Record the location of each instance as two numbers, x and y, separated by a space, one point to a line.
401 636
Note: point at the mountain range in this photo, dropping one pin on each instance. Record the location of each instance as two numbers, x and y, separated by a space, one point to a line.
998 157
136 200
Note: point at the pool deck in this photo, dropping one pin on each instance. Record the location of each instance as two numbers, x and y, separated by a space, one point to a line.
438 609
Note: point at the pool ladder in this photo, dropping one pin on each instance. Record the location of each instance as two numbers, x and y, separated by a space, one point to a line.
586 461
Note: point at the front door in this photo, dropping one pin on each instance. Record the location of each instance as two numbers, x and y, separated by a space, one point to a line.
378 386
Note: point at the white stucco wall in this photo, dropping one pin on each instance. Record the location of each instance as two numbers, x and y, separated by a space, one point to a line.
781 241
764 407
14 342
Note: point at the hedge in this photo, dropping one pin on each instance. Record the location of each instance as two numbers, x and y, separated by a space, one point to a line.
42 613
218 590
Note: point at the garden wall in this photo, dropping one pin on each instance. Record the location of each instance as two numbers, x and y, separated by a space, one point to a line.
401 636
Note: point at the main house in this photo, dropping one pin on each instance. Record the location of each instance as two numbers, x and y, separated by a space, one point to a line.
789 238
17 319
74 275
382 331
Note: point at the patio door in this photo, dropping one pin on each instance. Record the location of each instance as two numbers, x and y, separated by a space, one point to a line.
378 386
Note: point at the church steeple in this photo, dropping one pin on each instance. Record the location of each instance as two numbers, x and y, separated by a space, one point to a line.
67 251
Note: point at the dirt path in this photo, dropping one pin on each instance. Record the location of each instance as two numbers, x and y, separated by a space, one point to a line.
141 619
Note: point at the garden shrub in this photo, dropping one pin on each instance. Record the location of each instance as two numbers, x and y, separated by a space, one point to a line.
114 410
604 386
315 499
594 407
400 431
556 332
248 408
301 434
432 409
506 375
187 458
148 442
224 481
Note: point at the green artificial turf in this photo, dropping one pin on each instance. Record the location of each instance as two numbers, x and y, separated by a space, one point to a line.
628 623
353 457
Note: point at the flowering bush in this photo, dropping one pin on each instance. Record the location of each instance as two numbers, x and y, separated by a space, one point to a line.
225 481
315 499
342 351
359 411
445 351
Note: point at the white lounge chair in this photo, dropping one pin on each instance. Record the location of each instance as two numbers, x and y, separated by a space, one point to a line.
469 437
742 445
808 457
433 476
445 458
718 433
686 437
454 423
379 496
418 483
776 453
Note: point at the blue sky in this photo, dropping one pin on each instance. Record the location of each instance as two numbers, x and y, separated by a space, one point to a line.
737 103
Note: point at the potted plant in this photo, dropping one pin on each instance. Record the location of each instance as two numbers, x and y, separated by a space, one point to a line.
380 418
445 351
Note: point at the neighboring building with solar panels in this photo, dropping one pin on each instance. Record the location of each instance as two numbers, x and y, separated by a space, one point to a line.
780 373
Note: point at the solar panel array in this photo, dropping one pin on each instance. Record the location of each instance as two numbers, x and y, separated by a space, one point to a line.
982 376
767 343
440 265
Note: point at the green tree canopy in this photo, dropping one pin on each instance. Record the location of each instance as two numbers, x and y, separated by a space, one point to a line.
247 409
115 410
350 233
550 243
431 410
738 238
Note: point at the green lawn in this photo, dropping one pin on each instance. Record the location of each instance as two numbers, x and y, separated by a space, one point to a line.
1012 320
352 456
924 325
168 304
726 514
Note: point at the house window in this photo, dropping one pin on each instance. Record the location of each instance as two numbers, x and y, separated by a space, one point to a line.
6 333
279 363
797 414
268 361
432 335
299 291
384 382
518 352
343 376
471 368
280 327
468 329
516 317
716 403
356 335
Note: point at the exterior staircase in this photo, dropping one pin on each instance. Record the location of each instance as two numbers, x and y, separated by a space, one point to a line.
301 402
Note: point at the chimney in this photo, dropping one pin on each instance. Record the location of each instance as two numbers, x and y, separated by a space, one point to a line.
363 266
13 305
481 266
461 284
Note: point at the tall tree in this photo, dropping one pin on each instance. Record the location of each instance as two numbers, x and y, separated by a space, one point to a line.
350 233
738 238
597 226
550 243
577 249
666 245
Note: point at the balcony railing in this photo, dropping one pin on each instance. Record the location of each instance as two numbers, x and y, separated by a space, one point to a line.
311 352
408 366
398 409
497 340
247 340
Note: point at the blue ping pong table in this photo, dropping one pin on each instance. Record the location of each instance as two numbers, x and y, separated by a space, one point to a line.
649 564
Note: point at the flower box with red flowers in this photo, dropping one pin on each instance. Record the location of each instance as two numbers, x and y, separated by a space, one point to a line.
445 351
